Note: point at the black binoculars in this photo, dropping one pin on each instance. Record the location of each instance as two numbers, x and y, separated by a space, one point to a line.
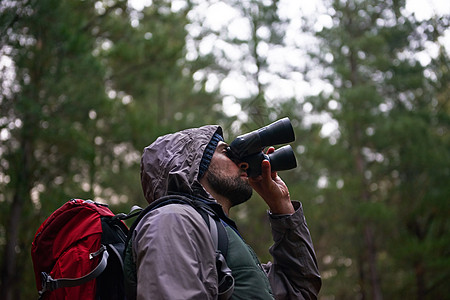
248 148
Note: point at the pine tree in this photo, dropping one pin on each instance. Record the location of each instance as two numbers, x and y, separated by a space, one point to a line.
89 84
380 157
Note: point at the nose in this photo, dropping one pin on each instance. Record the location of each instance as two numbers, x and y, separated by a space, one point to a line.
243 166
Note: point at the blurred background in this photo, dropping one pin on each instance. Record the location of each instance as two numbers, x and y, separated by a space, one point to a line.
86 85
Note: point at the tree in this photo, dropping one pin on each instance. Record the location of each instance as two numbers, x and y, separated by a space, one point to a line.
377 160
44 113
87 85
247 48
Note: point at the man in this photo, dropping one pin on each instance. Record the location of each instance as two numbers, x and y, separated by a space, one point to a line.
172 246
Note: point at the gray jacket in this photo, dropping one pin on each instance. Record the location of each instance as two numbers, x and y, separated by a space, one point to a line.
172 247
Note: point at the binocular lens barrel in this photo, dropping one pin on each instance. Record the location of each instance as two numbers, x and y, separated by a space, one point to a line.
248 147
280 160
283 159
279 132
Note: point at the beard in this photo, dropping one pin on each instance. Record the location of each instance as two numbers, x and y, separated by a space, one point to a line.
235 189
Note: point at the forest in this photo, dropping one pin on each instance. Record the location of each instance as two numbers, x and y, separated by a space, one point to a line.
86 85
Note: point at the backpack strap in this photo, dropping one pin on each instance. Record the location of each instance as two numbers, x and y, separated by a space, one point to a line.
218 235
214 232
50 284
216 227
134 211
226 279
200 206
220 241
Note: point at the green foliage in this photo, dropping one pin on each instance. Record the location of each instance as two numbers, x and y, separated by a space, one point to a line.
91 83
87 90
392 137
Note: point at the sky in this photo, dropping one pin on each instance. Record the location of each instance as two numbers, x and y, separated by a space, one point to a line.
422 8
426 8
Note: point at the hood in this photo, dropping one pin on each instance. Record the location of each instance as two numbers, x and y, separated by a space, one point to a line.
171 163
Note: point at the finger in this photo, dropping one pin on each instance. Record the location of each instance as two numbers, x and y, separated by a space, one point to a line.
270 150
266 171
274 174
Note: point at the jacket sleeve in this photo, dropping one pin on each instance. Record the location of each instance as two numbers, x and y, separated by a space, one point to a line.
294 273
175 256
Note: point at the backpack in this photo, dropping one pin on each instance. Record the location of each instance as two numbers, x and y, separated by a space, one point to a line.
77 252
218 235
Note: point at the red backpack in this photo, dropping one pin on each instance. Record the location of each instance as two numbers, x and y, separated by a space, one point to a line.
77 253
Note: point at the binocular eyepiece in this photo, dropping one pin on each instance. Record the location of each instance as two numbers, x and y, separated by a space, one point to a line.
248 147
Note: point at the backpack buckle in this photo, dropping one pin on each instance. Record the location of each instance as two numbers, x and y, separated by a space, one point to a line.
97 253
48 283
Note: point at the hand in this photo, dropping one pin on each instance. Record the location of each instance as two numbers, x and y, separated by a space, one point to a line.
272 189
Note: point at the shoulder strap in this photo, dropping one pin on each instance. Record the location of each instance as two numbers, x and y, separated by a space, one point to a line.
226 279
216 228
154 205
200 206
134 211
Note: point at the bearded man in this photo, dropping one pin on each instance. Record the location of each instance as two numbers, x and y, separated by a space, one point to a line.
175 255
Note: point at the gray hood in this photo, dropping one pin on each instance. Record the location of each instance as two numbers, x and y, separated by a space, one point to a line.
171 163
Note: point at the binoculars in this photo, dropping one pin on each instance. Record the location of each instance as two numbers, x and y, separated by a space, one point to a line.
248 148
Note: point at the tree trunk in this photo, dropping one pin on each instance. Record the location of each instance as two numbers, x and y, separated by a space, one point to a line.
362 277
360 166
369 238
420 280
22 191
369 232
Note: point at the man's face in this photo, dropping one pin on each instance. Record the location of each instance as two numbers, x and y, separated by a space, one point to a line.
226 178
